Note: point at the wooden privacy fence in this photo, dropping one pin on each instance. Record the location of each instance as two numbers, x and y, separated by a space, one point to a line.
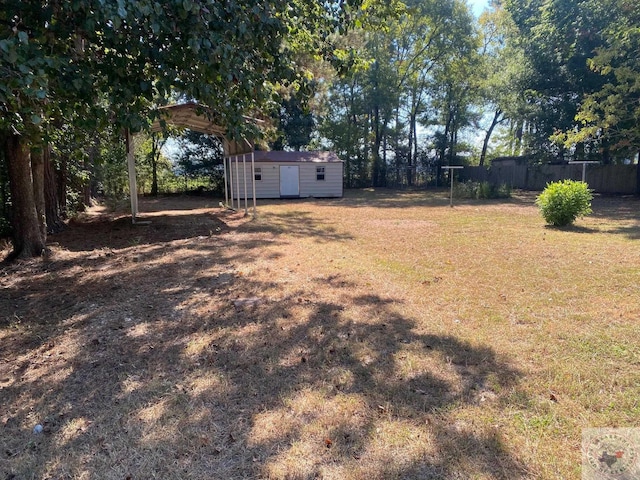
621 179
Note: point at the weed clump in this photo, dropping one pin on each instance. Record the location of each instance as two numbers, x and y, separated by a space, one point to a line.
564 201
482 190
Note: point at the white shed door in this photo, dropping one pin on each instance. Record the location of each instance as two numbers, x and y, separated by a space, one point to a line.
289 181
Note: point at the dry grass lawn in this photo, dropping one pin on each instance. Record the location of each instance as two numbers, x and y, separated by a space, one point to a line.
383 335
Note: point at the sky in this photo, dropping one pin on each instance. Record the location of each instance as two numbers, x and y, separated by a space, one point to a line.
478 6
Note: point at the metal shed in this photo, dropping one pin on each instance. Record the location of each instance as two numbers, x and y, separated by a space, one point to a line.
280 174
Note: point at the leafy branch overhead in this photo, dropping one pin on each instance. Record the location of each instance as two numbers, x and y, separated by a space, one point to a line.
116 57
614 110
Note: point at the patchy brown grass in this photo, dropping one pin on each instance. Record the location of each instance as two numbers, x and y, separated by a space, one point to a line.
382 335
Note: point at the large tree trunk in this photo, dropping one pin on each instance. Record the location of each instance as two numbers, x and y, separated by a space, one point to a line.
518 135
413 136
638 176
154 165
412 126
443 150
377 164
363 160
62 184
453 132
27 237
37 173
606 152
352 123
52 205
4 184
487 137
413 171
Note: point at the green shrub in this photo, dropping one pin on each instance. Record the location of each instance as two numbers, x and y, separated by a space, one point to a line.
485 190
465 189
564 201
503 191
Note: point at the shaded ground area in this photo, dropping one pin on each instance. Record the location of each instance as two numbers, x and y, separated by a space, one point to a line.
177 219
209 345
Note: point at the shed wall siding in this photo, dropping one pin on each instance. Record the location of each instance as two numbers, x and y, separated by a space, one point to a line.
331 186
269 185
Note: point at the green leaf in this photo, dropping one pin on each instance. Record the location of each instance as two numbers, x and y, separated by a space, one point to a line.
35 119
23 37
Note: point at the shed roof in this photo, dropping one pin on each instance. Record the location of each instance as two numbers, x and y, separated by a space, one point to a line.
279 156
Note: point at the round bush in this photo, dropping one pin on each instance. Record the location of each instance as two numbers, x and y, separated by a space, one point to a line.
564 201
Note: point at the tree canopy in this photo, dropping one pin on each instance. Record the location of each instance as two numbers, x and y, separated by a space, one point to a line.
612 112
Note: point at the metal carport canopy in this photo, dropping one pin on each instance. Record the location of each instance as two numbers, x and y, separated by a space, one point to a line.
194 117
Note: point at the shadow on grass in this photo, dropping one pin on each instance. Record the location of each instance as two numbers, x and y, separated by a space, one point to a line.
139 367
632 232
119 232
572 228
297 224
624 210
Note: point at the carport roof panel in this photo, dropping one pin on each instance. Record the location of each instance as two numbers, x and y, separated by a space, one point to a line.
188 115
194 116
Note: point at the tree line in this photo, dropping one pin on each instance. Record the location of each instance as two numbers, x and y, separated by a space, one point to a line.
552 80
397 88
